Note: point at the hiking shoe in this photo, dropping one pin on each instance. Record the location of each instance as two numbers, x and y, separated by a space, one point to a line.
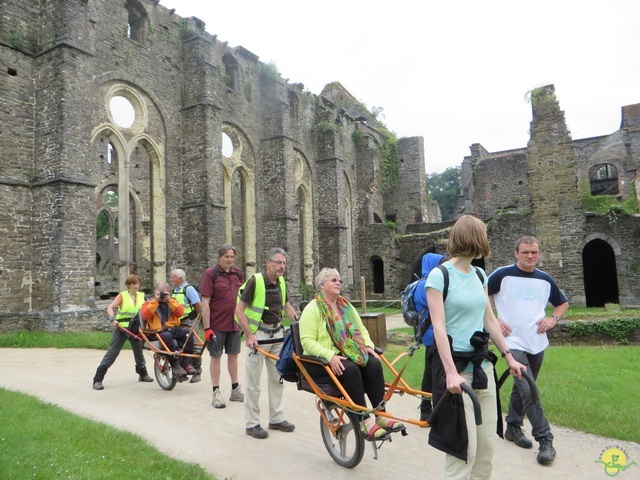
237 395
98 386
178 371
425 411
257 432
546 452
283 426
515 434
195 379
145 378
217 400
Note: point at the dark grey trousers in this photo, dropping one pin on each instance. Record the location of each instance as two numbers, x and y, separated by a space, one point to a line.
521 401
117 341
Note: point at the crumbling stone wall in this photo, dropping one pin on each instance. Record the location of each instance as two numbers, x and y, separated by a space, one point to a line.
63 61
545 178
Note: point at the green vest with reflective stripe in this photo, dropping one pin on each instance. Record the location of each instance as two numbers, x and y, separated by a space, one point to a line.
127 309
181 296
258 304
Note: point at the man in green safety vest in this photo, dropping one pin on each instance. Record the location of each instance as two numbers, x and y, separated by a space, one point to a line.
262 304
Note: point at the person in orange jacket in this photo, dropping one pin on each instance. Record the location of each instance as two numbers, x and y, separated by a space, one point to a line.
162 313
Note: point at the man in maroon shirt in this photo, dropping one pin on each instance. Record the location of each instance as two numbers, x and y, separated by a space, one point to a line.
219 290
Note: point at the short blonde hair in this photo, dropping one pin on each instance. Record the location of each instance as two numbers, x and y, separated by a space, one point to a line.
321 278
468 238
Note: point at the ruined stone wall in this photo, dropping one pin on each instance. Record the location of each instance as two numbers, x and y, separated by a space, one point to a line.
408 202
501 181
549 172
177 198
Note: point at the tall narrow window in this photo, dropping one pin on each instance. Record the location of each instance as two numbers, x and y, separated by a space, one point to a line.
238 216
231 79
136 28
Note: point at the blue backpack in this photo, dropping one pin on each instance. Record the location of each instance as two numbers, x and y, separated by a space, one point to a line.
421 321
285 365
410 312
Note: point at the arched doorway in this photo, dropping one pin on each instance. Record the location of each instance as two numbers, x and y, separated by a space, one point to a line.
600 273
378 274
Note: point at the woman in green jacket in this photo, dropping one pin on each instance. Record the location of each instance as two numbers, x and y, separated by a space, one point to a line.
331 328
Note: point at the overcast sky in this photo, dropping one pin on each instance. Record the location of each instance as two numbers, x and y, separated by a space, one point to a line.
453 72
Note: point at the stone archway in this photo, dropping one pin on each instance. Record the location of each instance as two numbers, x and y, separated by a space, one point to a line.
600 273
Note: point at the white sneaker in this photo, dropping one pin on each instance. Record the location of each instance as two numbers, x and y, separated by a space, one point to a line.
237 395
217 401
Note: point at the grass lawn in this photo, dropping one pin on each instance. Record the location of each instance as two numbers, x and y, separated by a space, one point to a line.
591 389
39 440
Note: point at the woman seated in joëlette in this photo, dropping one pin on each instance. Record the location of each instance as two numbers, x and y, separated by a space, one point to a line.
331 328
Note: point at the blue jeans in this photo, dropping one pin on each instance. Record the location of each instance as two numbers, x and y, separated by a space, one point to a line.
521 401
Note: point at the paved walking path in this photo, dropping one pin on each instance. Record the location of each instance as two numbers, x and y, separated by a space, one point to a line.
216 438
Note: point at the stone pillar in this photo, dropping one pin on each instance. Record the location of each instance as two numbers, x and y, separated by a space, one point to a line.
557 210
277 202
202 212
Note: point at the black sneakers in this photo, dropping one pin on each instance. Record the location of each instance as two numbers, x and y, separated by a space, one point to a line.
546 452
515 434
283 426
257 432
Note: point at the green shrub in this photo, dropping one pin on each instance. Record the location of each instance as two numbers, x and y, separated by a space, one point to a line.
618 328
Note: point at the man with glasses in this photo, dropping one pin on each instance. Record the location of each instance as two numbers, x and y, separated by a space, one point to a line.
262 304
521 293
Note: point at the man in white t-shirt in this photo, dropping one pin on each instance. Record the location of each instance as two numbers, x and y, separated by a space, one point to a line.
521 293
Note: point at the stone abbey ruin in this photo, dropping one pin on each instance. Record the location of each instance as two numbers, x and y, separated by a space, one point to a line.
219 148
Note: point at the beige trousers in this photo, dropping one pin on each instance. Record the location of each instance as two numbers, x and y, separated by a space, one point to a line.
253 369
482 438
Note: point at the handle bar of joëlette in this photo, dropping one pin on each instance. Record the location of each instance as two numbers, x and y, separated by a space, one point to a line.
445 397
257 348
528 378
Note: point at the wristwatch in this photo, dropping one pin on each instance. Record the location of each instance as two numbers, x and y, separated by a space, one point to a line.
556 318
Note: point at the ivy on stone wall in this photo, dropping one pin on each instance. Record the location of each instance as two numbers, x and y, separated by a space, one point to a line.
618 328
324 127
268 72
606 204
388 152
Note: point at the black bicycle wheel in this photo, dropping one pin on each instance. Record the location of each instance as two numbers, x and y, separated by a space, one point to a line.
346 444
164 373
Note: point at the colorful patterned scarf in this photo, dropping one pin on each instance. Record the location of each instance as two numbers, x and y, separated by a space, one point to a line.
343 332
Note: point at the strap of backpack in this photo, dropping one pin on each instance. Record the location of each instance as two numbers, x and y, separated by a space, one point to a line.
214 275
445 288
445 274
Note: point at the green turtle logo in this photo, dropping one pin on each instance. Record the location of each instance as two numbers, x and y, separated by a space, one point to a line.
614 461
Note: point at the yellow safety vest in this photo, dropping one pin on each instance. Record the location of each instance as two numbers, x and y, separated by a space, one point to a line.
181 296
258 304
127 309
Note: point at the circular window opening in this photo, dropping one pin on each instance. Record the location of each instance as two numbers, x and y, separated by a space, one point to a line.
122 112
111 199
227 146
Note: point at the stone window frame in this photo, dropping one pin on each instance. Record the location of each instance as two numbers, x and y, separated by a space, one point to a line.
609 184
241 159
231 75
139 108
136 21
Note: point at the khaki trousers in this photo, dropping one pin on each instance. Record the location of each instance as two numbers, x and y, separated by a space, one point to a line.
253 369
482 438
